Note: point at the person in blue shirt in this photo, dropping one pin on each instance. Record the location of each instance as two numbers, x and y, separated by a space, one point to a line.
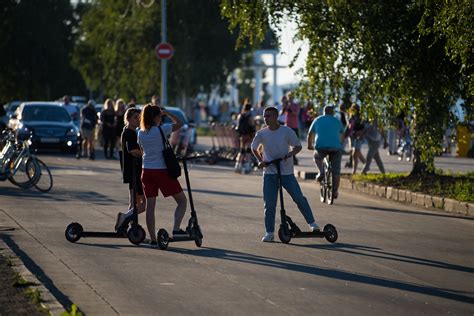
326 135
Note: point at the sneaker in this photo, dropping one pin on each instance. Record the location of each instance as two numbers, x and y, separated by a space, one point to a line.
180 233
268 237
153 244
314 227
320 177
121 217
335 194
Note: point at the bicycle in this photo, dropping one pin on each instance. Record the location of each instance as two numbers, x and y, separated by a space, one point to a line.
17 161
327 183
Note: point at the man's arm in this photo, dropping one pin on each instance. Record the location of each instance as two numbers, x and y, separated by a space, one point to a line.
310 140
293 152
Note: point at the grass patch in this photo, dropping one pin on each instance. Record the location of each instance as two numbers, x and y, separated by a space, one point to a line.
19 281
455 186
204 131
74 311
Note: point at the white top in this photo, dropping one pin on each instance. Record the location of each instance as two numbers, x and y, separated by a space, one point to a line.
152 145
276 144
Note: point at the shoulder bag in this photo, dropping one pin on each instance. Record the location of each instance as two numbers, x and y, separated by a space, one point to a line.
172 163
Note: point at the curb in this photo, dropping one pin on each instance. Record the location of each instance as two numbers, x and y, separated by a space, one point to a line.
399 195
48 300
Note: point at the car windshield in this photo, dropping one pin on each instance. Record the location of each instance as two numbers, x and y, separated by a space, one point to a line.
45 113
179 114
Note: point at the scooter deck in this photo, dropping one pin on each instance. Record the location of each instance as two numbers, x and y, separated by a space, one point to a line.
104 234
181 238
319 234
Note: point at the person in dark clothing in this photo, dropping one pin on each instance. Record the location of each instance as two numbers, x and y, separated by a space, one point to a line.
88 123
107 117
119 124
132 164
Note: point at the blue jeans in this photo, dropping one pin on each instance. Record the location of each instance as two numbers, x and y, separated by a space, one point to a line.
270 197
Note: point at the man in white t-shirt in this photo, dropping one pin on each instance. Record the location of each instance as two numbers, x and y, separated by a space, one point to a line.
71 108
279 141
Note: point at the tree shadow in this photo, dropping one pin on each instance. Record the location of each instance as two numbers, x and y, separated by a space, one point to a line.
57 194
37 271
374 252
336 274
393 210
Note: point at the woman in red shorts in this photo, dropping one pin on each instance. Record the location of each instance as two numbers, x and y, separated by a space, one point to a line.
155 175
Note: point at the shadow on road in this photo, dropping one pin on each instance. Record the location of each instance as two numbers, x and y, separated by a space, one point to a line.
226 193
394 210
231 255
37 271
58 195
373 252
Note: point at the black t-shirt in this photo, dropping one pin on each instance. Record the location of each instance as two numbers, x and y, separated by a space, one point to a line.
129 142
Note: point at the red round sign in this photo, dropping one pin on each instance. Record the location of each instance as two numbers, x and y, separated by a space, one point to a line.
164 50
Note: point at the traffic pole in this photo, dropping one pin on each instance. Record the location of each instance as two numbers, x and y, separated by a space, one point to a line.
164 62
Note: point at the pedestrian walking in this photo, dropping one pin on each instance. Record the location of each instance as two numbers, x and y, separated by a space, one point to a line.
88 123
273 142
373 132
132 165
155 176
246 130
292 111
356 133
107 117
119 125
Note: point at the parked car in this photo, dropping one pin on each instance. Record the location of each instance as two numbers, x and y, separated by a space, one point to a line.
49 123
184 139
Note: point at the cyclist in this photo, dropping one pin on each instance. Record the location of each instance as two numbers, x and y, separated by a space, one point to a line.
326 136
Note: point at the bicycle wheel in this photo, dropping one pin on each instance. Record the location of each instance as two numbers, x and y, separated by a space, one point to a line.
45 179
26 175
329 185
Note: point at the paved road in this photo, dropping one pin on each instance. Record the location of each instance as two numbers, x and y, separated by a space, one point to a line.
390 258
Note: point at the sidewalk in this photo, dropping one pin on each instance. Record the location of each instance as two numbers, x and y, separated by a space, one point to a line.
307 170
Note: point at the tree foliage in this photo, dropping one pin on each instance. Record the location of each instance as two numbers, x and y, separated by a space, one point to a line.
115 52
37 40
391 52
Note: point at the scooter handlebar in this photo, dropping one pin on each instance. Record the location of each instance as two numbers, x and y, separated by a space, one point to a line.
181 158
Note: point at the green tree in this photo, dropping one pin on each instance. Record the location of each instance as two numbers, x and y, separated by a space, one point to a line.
37 41
115 51
380 47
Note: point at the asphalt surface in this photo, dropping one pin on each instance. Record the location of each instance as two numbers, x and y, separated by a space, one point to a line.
389 258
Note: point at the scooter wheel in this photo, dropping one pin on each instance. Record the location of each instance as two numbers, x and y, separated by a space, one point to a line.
330 233
73 232
136 235
322 192
198 237
163 239
284 234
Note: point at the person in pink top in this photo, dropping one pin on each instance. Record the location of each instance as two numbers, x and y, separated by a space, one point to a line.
292 111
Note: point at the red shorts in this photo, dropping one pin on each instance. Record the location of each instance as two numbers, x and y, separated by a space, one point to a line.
158 179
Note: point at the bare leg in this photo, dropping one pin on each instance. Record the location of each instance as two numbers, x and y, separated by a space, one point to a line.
150 217
181 201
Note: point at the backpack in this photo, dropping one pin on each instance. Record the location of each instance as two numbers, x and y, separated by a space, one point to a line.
244 126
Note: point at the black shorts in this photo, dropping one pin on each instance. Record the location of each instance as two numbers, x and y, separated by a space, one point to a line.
139 186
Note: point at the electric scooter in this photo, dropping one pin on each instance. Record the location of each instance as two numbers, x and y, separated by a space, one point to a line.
193 229
288 228
135 234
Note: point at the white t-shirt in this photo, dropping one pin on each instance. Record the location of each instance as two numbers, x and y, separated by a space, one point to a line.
153 146
276 144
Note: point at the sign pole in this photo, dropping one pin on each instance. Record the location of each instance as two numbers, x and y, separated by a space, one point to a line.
164 62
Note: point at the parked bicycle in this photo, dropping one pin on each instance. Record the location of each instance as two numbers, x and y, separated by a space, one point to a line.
20 166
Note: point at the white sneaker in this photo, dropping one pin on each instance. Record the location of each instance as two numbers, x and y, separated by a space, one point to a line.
268 237
314 227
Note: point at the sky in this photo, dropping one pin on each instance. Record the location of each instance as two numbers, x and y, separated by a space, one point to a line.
288 50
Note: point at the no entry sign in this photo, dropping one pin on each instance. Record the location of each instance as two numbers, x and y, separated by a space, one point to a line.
164 50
